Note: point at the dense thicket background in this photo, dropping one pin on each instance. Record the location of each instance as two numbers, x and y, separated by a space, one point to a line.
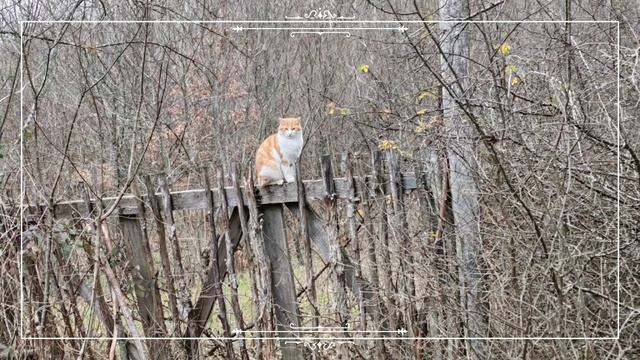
105 101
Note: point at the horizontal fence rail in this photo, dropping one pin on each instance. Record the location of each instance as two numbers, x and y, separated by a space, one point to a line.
275 194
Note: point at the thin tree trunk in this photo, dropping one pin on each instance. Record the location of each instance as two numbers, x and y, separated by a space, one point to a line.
464 191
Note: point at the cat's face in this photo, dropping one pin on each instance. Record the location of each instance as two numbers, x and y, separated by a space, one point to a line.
290 127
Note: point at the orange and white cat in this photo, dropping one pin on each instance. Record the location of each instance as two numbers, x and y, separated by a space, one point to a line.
279 152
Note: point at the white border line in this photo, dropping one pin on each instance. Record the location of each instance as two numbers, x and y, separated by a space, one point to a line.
22 22
22 187
318 21
319 338
618 182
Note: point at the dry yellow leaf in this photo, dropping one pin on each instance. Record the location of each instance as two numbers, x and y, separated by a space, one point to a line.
364 68
505 48
425 93
387 145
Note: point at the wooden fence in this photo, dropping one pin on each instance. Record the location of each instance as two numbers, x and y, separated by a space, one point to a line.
257 213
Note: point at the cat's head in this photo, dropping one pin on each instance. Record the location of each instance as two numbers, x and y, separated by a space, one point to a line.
290 127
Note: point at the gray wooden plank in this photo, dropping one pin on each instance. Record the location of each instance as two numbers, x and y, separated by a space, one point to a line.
197 198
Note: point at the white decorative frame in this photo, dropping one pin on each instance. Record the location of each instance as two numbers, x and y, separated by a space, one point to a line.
318 16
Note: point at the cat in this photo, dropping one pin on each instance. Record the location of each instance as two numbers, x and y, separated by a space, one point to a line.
276 157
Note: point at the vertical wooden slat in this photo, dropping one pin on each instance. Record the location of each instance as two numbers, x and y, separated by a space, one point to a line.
248 254
214 268
144 274
231 270
92 252
353 231
383 240
183 295
339 298
429 315
404 247
265 316
307 255
368 189
164 253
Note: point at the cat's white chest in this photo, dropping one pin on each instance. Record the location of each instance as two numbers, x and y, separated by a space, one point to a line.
291 148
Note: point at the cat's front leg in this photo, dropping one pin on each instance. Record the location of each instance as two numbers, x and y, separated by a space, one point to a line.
289 172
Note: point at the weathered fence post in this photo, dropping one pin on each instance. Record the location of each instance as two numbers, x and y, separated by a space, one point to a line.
284 293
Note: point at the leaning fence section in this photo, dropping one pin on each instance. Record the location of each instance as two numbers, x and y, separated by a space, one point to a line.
353 232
